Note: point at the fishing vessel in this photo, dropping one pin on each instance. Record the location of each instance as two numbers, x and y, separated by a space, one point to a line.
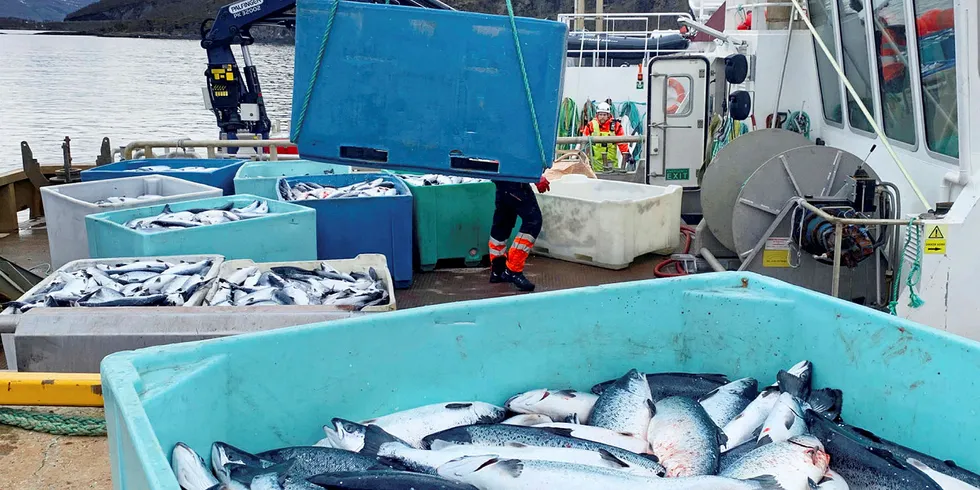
816 143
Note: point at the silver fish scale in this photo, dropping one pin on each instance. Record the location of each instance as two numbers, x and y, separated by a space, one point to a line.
299 287
626 406
684 438
303 191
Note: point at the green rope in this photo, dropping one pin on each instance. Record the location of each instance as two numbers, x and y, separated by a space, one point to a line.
915 272
798 122
632 111
527 84
568 121
294 137
59 425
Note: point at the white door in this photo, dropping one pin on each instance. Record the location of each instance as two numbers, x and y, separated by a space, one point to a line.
677 119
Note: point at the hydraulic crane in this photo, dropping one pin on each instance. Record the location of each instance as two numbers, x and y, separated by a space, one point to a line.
236 97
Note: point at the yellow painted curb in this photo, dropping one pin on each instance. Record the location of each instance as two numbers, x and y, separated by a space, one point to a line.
50 389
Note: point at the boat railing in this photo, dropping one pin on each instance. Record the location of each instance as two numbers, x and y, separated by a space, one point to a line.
600 35
214 148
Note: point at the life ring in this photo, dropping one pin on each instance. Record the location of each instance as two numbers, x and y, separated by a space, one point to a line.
679 95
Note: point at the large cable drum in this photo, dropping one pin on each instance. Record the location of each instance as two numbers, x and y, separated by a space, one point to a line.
731 167
811 172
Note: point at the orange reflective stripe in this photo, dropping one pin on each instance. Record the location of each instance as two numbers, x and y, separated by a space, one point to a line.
494 246
516 259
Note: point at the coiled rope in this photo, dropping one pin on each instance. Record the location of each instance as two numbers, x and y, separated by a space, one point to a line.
798 122
59 425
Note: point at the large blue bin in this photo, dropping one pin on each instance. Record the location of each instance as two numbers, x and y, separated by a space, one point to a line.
287 234
221 173
429 90
347 227
906 382
260 178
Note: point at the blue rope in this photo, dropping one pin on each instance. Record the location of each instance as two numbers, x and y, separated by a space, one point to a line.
294 136
527 84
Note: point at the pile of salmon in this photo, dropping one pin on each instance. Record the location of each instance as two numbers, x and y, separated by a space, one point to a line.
656 431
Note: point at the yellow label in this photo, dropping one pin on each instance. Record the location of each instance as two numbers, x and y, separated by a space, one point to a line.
776 253
936 239
775 258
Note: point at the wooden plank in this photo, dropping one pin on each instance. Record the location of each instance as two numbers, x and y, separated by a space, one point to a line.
8 209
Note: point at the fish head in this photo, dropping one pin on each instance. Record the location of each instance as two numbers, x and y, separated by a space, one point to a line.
812 452
345 434
223 454
189 468
634 382
525 402
465 468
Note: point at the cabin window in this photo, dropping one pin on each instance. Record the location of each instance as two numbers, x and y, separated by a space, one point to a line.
857 62
937 69
822 17
894 82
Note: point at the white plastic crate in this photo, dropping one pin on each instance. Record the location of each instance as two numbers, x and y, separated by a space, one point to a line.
361 263
65 207
195 300
606 223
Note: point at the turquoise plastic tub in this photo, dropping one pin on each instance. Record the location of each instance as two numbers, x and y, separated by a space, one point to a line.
906 382
287 235
259 178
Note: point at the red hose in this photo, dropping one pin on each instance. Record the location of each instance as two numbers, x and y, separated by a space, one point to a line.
660 269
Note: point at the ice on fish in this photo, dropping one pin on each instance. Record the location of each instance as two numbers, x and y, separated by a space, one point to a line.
168 219
168 168
288 285
139 283
303 191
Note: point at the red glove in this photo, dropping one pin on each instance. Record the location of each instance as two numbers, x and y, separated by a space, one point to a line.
543 185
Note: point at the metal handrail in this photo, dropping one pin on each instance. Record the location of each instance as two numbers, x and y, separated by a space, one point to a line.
211 145
574 140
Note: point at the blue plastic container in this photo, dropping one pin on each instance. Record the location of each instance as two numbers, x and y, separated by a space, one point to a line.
221 174
906 382
346 227
287 234
428 90
260 178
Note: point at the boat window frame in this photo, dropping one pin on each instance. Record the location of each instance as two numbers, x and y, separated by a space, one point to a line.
872 72
921 118
841 98
913 69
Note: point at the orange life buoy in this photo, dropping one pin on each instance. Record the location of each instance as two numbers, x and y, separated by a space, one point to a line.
681 94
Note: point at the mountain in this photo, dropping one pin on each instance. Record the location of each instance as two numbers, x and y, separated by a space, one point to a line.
182 18
40 10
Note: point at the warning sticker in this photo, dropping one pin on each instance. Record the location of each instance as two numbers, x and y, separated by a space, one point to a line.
776 253
936 239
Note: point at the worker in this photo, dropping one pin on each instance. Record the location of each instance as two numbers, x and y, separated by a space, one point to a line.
514 199
604 154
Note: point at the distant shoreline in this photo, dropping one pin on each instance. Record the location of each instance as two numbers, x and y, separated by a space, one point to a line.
61 29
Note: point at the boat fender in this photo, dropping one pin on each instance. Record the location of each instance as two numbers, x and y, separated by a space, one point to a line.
736 68
739 105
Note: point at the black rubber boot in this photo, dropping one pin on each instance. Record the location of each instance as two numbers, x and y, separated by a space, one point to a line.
497 268
519 280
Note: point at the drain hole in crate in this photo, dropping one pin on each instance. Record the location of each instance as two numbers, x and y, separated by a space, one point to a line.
540 249
362 153
583 257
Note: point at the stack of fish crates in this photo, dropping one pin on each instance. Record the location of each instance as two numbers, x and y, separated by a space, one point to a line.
451 220
260 178
215 172
67 205
287 232
350 226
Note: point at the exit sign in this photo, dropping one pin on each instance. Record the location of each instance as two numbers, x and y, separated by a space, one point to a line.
678 173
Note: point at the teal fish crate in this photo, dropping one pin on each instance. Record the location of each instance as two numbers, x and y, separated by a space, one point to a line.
452 221
401 74
260 178
215 172
907 382
288 233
